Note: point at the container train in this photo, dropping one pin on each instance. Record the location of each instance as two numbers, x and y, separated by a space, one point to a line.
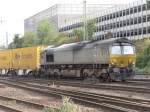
107 60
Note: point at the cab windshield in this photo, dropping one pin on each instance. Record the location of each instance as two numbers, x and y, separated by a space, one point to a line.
127 49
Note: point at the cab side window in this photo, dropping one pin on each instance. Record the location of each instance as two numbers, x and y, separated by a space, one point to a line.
50 58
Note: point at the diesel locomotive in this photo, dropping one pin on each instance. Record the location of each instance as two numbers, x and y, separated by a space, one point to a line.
107 60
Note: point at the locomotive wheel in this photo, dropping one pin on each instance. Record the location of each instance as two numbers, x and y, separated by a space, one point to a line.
56 75
31 73
85 75
105 77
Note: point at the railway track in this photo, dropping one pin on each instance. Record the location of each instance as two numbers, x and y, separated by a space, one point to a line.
9 104
4 108
116 104
131 86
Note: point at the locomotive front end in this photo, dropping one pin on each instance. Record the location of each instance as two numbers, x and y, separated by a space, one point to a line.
122 61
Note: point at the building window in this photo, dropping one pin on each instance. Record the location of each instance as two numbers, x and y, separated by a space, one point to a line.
97 20
148 4
127 12
148 17
117 14
111 25
139 31
124 23
131 21
103 18
128 22
108 26
135 9
135 32
124 33
118 34
148 30
102 28
144 19
114 35
99 28
111 16
117 24
114 25
143 7
120 23
131 11
135 20
139 8
139 19
124 12
121 34
144 30
128 33
107 17
120 13
100 19
132 32
114 15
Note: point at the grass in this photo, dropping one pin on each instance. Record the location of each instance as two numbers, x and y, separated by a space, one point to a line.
69 106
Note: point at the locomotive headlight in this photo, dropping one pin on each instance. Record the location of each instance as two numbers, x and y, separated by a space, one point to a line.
131 63
113 62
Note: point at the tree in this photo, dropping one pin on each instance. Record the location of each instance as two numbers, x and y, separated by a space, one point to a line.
46 35
90 29
17 42
46 32
141 45
78 34
29 39
143 58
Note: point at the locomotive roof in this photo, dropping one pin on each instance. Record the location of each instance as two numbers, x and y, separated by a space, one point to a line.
78 45
114 40
47 48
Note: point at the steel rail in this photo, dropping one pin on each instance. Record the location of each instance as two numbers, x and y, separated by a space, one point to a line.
84 96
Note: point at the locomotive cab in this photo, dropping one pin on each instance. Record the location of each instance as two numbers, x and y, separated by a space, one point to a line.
122 60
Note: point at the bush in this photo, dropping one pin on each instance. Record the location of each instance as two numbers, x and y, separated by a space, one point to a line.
69 106
143 59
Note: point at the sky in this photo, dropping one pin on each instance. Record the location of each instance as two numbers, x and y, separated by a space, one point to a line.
14 12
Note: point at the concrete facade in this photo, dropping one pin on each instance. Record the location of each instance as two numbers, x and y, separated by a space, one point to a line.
131 21
59 15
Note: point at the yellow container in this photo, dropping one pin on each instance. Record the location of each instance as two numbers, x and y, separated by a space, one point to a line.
5 59
26 58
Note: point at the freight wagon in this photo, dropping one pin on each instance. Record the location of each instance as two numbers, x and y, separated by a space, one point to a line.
20 61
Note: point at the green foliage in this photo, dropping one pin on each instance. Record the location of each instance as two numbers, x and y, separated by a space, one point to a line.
17 42
29 39
46 32
46 35
90 29
61 39
78 34
143 59
141 45
67 106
